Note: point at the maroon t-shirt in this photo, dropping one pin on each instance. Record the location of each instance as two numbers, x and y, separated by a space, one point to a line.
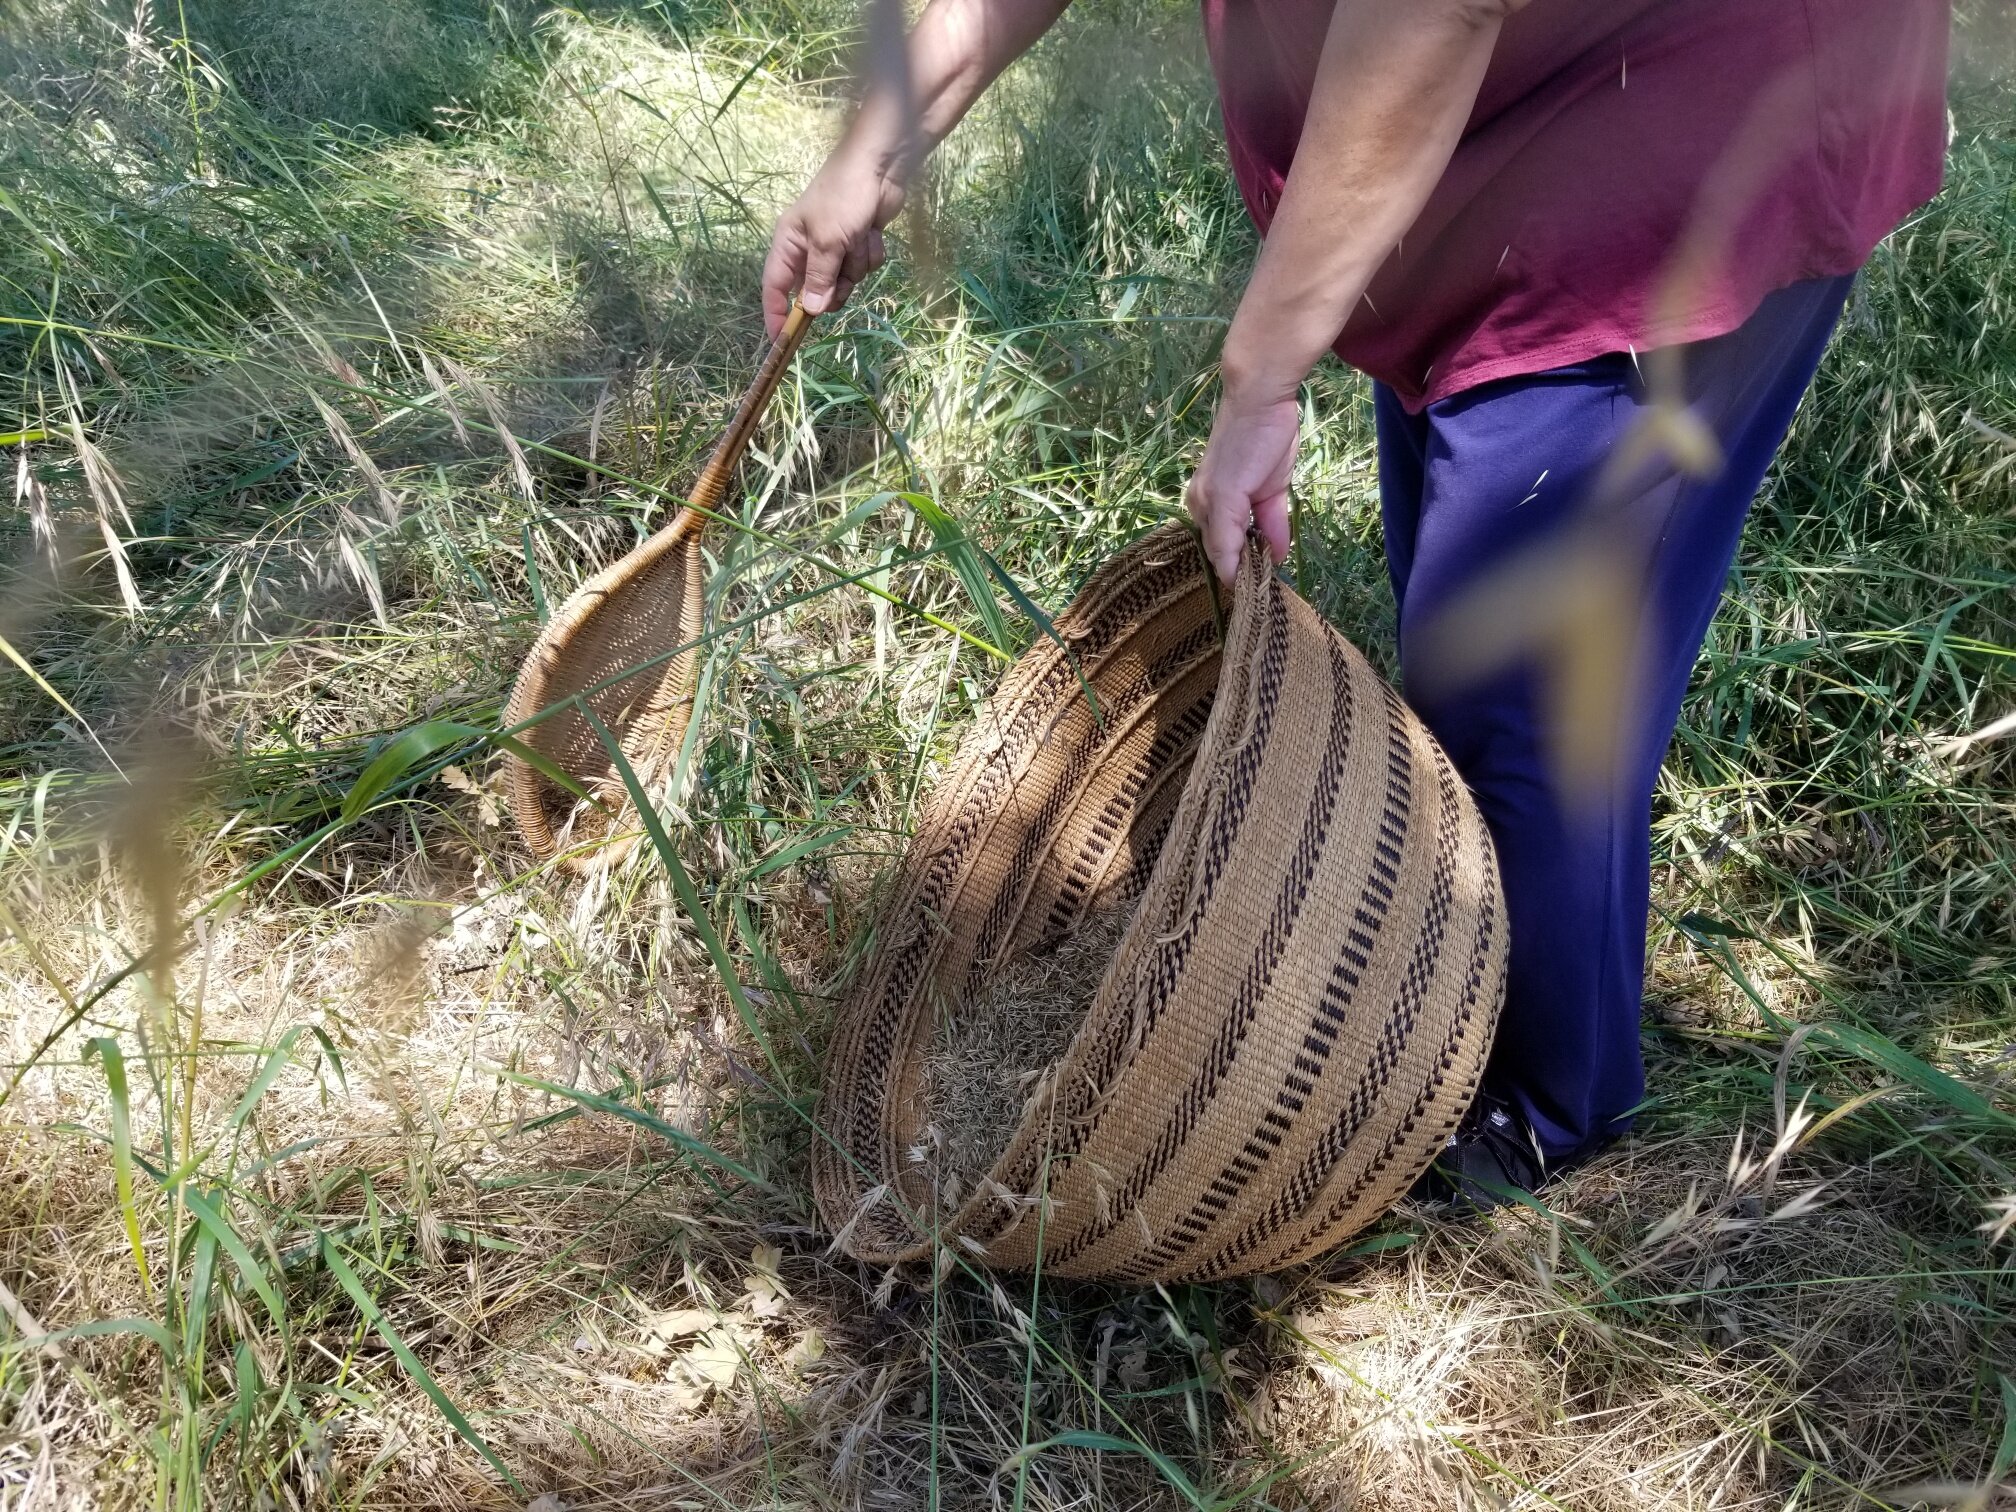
1635 173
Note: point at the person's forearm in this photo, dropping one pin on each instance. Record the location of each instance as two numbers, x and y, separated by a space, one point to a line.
956 50
1395 85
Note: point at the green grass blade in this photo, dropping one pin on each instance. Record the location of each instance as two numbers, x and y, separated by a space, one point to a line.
644 1119
2005 1451
98 1328
202 1277
546 768
407 750
332 1257
154 1172
211 1217
276 1062
7 650
762 62
331 1054
532 578
1042 622
113 1063
1108 1443
966 562
798 851
689 895
1882 1051
665 217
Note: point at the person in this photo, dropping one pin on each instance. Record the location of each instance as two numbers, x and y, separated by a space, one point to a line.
1590 252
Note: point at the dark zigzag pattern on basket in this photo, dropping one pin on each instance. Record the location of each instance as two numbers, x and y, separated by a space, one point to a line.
1334 1005
905 970
1079 1120
1150 849
1148 840
1125 610
1401 1022
1200 644
1289 897
1080 1117
1431 1090
1035 706
1168 743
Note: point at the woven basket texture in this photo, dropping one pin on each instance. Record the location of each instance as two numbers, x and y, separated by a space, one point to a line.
641 612
1296 1016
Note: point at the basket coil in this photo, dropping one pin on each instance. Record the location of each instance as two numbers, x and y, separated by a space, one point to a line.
1297 1013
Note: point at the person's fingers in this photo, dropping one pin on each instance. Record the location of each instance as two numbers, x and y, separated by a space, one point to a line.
1271 518
1220 519
1225 543
854 266
841 290
1224 528
781 272
878 252
822 272
1198 502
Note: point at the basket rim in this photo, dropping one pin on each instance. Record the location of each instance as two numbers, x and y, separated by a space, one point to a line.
1239 623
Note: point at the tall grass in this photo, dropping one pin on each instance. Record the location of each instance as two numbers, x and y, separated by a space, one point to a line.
350 1159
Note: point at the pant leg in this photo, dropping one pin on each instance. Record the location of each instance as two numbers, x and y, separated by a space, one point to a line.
1403 467
1482 476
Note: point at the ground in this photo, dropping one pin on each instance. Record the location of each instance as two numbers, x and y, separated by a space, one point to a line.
350 1158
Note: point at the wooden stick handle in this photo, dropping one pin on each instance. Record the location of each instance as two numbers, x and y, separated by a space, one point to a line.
713 480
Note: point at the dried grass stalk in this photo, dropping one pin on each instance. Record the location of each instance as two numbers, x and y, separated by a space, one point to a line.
989 1054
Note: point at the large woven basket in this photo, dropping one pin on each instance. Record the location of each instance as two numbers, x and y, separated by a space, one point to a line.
1296 1015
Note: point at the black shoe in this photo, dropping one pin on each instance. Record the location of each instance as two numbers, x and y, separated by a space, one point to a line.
1492 1156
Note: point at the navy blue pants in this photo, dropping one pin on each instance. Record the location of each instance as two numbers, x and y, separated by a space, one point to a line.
1472 482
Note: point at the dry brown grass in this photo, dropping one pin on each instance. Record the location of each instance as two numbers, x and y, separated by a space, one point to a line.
990 1052
1697 1320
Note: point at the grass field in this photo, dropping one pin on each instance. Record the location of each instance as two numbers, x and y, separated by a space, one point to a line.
347 1158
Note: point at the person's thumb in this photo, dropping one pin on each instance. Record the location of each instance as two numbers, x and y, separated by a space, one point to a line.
783 269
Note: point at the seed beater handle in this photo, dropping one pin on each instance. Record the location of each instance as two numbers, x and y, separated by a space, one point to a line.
713 480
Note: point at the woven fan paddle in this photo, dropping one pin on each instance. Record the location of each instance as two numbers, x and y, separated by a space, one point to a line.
624 644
